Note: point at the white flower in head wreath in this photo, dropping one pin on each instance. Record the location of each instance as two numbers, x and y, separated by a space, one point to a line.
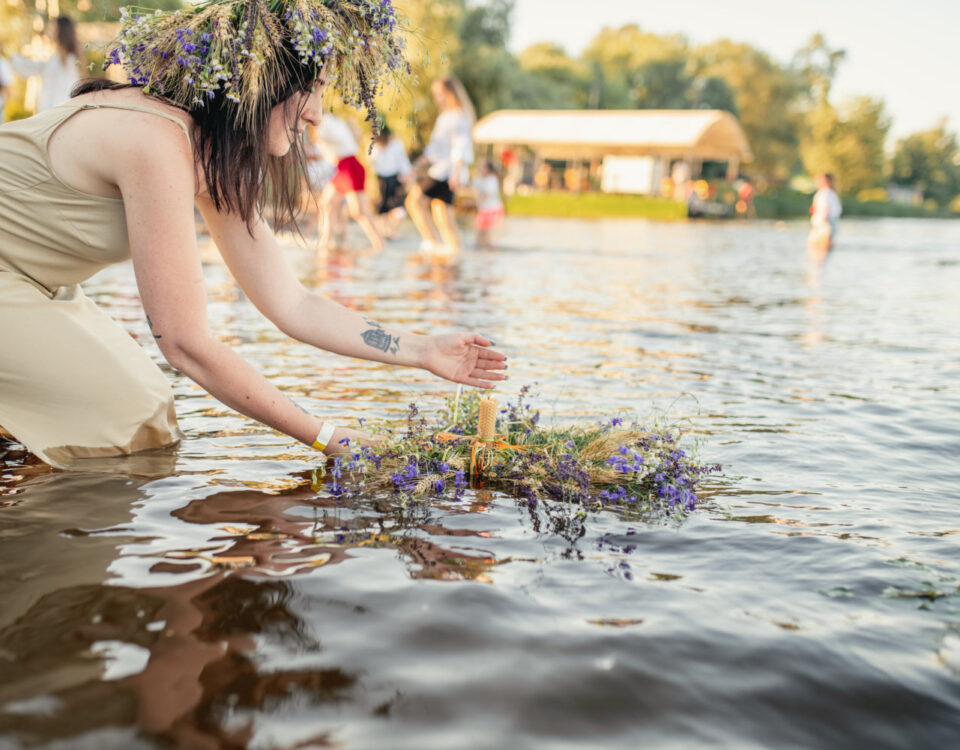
242 51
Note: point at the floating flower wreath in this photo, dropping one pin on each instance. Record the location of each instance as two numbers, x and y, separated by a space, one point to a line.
586 467
237 47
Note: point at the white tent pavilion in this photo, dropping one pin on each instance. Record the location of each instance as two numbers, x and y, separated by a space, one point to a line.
583 136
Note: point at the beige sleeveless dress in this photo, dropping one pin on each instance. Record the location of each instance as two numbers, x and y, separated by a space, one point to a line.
73 384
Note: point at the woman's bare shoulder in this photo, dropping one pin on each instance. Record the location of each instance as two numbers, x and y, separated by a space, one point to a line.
121 133
138 130
153 116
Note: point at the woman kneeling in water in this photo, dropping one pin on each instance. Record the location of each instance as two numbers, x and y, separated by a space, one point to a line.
217 100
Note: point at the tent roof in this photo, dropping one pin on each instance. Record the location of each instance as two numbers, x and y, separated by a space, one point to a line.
700 133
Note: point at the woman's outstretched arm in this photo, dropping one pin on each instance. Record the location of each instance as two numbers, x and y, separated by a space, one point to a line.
158 185
261 269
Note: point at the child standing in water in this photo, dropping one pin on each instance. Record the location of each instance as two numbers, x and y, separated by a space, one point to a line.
489 205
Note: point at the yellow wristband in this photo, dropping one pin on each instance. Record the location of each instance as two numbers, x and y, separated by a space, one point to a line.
324 436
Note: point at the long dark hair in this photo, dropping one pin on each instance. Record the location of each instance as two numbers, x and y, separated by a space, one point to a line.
67 36
241 175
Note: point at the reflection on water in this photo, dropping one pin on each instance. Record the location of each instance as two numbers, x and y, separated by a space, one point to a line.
207 597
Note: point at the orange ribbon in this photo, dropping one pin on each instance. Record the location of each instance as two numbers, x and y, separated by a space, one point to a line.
477 446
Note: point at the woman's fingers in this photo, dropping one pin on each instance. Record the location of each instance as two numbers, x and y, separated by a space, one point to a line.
491 363
477 383
488 366
487 374
479 340
487 355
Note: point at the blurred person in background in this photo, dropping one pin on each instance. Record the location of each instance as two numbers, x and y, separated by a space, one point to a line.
393 168
6 81
489 206
338 144
824 216
59 73
317 173
744 205
447 158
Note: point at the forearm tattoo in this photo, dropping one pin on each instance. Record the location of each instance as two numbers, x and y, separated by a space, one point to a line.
378 338
150 323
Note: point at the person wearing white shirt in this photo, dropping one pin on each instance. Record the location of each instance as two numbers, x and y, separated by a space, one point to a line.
824 216
60 72
338 144
6 81
393 168
448 155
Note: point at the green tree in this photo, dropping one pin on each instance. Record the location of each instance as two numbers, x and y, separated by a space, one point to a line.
931 161
817 63
96 10
714 93
552 79
849 142
466 39
482 61
767 100
662 84
432 44
617 58
628 48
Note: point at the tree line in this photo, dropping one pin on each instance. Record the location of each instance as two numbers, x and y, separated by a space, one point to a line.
794 123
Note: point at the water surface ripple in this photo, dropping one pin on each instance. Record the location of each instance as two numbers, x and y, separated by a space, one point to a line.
208 598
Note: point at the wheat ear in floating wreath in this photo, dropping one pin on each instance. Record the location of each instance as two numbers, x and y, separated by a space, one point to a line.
239 49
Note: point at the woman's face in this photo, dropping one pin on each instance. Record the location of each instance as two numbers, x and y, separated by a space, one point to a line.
442 96
289 118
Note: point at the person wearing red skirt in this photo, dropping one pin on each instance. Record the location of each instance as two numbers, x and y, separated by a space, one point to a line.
336 141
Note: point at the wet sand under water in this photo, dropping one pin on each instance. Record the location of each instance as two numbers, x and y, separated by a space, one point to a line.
208 597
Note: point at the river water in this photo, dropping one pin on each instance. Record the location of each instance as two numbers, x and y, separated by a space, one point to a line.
208 597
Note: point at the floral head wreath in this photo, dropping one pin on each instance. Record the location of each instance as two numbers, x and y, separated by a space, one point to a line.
241 48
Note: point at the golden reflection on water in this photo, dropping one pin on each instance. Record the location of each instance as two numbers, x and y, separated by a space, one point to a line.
155 604
197 635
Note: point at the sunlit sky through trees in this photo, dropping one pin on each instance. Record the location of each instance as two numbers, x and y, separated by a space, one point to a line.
904 52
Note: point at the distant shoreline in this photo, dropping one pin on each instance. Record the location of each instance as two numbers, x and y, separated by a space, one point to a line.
784 204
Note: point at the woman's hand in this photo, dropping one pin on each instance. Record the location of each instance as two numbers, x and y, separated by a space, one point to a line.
346 441
464 358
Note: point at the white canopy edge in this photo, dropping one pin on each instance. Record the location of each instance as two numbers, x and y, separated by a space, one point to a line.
698 133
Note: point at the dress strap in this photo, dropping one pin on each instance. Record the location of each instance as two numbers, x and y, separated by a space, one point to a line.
145 110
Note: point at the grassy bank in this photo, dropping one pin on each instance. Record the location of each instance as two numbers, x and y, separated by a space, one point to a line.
792 204
777 204
595 206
